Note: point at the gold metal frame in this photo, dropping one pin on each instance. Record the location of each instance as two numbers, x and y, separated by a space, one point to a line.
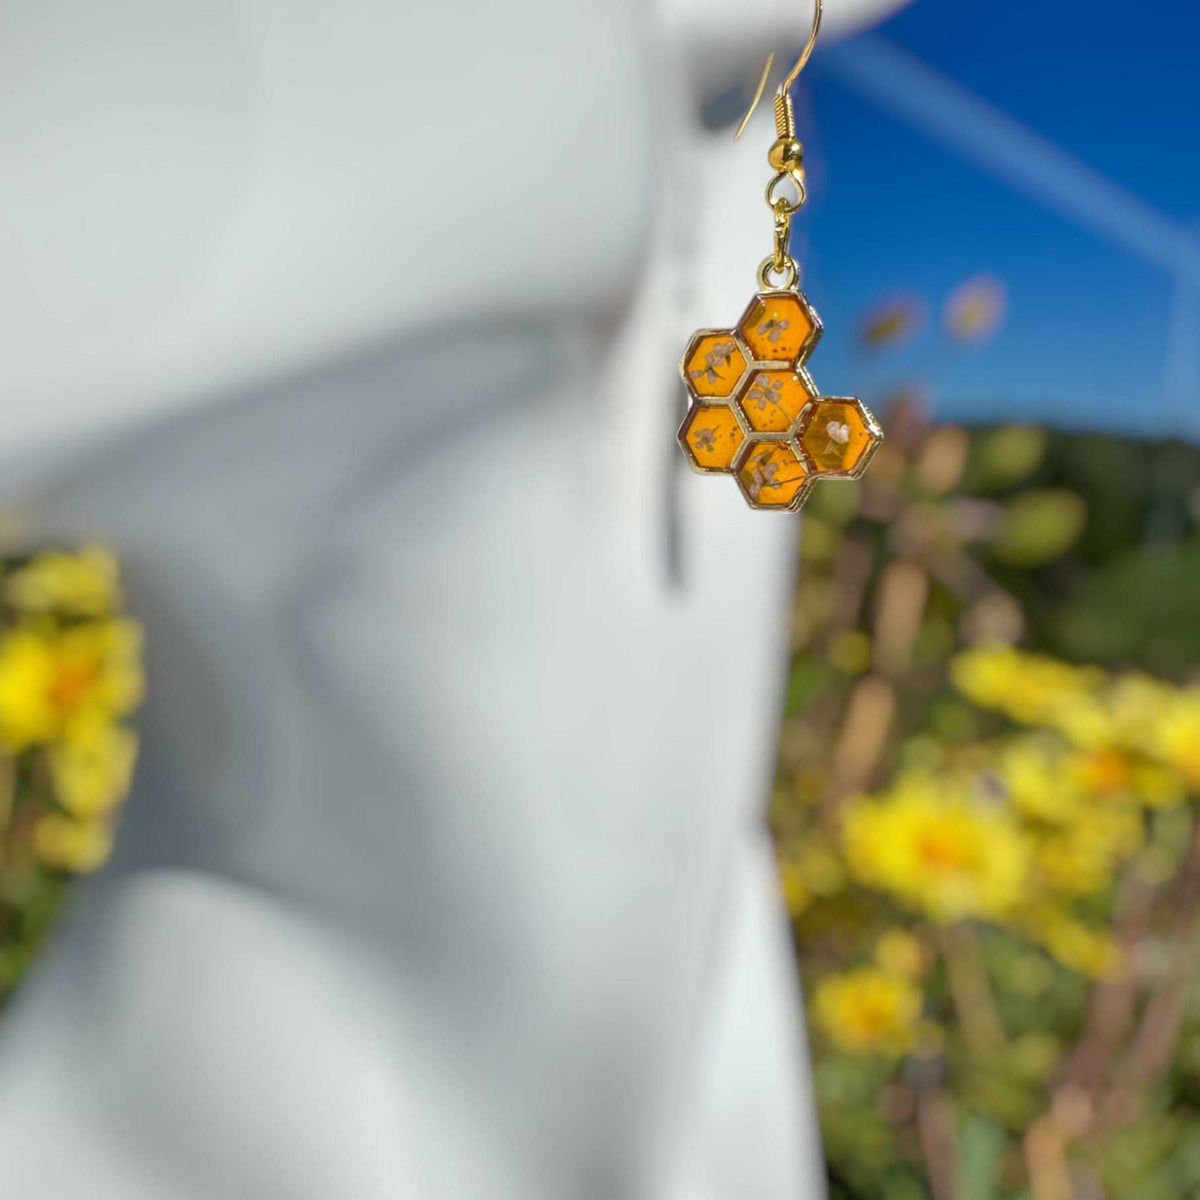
696 401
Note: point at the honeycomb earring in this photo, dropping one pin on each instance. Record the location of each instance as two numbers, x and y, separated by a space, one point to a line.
754 411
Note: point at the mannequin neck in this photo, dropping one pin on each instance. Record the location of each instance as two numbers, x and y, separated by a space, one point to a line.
232 523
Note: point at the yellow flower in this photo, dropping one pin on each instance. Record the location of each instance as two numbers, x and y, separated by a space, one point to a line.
1091 952
1102 772
1154 726
84 584
1175 737
1082 859
1037 782
1109 773
893 321
92 769
868 1011
69 845
899 953
52 680
932 845
1034 689
1159 787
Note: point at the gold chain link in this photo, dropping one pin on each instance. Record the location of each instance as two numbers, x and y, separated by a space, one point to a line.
786 156
783 232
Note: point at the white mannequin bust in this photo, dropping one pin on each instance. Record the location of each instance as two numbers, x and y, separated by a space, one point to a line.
443 874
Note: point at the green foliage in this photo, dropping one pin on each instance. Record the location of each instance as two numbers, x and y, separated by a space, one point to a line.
1005 457
981 1145
1039 526
1141 607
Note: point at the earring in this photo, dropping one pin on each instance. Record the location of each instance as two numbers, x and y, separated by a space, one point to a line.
753 409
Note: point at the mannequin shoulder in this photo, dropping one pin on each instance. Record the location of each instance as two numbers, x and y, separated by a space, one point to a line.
189 1037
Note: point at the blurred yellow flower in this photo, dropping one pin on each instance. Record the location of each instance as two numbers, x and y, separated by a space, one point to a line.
66 844
1082 859
1034 689
70 673
1090 951
1102 772
1175 735
868 1011
1036 781
1154 725
943 851
83 584
1160 721
91 770
1048 781
893 321
52 679
1108 773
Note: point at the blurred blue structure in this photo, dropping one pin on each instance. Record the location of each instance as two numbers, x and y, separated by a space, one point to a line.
1048 145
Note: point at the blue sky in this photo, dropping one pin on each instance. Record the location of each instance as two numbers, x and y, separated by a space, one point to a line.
1088 338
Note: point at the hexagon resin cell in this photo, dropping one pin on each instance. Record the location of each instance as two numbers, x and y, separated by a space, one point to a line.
839 436
772 475
714 364
780 327
772 400
711 436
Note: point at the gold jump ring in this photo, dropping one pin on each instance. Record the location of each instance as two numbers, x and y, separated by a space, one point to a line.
789 206
789 271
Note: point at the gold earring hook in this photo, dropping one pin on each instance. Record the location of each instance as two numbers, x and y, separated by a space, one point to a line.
792 76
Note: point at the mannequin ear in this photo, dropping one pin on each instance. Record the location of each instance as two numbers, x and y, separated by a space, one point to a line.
724 43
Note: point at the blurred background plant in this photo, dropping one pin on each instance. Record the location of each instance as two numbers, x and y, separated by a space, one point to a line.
70 679
985 809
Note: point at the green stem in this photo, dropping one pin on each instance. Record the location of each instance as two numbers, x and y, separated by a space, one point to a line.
971 988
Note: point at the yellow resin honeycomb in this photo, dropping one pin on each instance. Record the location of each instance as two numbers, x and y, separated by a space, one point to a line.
755 413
